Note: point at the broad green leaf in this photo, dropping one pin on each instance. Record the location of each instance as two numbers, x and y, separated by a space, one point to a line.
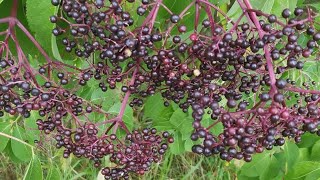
20 150
272 170
53 174
304 154
313 3
315 153
1 1
5 128
8 152
105 99
279 5
188 144
243 177
264 6
38 14
303 169
31 127
34 170
55 49
291 152
177 6
159 114
177 147
127 116
24 42
257 166
216 129
153 107
234 12
179 118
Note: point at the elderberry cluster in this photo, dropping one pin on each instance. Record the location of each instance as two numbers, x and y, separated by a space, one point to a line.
214 71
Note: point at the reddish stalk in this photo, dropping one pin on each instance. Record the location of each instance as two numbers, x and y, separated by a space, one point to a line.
261 33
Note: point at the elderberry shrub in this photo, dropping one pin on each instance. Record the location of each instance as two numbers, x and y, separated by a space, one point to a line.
21 94
213 66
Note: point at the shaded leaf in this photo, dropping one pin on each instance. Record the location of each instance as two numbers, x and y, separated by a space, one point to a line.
53 174
38 14
303 169
315 152
257 166
177 147
5 128
34 170
291 152
127 116
20 150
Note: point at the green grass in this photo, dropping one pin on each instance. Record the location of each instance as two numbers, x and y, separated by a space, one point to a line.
186 167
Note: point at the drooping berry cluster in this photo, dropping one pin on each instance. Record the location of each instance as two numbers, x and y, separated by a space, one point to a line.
48 91
239 76
214 71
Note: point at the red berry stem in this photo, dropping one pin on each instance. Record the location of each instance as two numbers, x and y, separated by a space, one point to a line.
267 55
210 15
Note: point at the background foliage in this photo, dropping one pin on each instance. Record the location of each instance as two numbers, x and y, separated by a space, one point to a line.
21 159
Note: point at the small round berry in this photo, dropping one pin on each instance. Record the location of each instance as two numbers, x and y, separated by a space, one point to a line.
272 18
286 13
53 19
316 36
174 18
141 11
182 29
55 2
298 11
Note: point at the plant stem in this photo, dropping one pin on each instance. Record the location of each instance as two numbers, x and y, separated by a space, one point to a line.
34 41
254 19
294 89
210 15
127 95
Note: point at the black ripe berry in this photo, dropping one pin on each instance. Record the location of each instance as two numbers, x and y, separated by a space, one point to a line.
55 2
272 18
316 36
174 18
286 13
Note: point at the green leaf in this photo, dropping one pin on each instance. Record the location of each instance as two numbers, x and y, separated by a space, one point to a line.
314 3
257 166
303 169
127 116
279 5
38 14
272 170
177 147
31 126
20 150
304 154
34 170
179 118
315 152
264 6
1 1
8 152
55 49
291 152
216 129
188 144
177 6
308 140
5 128
160 115
106 99
24 42
53 174
153 107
